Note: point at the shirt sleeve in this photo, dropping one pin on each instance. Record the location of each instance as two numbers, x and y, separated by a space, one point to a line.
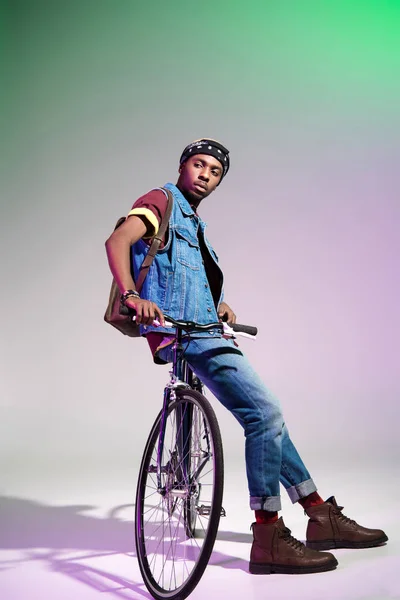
151 209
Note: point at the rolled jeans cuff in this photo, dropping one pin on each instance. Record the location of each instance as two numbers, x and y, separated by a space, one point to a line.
301 490
270 503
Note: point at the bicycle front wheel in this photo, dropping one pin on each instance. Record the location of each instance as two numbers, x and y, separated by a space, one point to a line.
176 523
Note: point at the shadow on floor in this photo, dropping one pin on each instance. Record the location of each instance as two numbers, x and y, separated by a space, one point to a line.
30 526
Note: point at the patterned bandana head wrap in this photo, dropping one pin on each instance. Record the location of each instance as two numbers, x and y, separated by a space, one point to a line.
210 147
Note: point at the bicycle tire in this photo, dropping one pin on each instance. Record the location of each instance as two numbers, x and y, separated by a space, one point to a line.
160 575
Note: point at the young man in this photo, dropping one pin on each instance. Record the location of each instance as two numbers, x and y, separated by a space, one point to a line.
185 282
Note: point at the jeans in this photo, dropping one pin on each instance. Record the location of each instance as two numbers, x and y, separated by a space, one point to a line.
271 456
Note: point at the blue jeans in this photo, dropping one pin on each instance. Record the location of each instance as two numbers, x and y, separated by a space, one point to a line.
270 454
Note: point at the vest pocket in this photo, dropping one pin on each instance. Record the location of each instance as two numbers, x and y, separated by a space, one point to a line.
188 249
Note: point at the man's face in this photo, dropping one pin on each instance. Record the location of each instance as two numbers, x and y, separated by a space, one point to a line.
199 175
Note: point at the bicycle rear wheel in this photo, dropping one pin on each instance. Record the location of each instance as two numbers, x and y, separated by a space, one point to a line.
171 557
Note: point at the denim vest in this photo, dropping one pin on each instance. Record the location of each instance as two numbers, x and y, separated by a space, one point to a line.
177 280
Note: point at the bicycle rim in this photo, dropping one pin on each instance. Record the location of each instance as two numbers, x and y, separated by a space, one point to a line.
176 525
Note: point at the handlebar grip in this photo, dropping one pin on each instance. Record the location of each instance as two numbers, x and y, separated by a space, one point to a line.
245 329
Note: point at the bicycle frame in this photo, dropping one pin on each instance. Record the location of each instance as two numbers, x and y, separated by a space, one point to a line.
182 377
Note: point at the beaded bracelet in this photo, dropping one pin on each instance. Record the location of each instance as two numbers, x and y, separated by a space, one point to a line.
128 294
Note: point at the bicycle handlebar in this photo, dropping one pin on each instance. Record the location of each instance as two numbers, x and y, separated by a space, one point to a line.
244 330
191 325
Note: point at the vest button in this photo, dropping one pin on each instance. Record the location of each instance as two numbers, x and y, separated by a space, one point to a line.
209 309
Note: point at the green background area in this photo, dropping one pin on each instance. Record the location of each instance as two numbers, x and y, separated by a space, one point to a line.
256 71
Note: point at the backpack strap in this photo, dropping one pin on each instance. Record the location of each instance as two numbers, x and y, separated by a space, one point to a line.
155 244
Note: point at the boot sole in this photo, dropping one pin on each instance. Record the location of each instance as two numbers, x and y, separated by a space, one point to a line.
269 569
331 544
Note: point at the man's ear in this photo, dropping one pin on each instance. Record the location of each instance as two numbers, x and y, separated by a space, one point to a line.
182 166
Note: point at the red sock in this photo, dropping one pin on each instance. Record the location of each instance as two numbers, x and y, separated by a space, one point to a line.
266 517
311 500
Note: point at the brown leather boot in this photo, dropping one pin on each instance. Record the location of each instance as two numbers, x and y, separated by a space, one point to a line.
329 528
274 550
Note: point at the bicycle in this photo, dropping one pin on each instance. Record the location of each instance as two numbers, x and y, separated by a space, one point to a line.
180 485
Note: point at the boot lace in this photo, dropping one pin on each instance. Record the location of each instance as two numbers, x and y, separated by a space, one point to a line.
286 534
341 517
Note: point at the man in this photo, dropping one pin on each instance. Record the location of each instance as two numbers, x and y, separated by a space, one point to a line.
185 282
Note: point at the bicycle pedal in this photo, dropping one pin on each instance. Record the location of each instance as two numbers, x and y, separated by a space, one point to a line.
205 511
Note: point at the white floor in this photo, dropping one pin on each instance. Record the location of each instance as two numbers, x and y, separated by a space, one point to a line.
73 539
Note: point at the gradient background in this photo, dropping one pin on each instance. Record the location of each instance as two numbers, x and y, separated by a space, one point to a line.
98 100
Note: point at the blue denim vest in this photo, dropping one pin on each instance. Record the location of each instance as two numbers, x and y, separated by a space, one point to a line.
177 280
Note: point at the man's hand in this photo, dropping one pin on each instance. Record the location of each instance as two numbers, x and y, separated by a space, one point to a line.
225 313
146 311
